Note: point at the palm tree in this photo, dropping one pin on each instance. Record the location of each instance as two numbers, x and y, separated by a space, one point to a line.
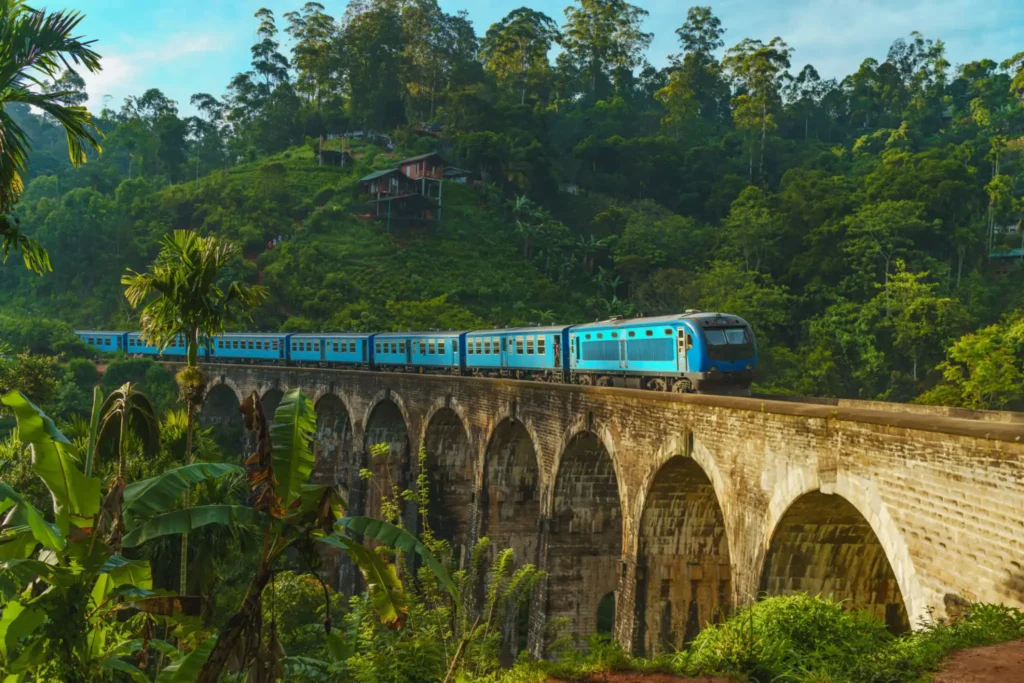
186 300
126 412
35 47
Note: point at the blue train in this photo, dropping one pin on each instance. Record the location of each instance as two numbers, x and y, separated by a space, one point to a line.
690 352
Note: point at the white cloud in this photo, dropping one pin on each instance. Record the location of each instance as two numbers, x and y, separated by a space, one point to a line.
128 72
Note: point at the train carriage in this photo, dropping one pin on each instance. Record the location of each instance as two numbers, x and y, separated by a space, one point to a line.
432 351
690 352
330 348
529 352
249 346
106 341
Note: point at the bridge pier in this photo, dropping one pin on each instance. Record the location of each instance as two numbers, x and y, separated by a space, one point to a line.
683 507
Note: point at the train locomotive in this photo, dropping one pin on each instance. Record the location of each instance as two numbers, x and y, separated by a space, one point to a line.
694 351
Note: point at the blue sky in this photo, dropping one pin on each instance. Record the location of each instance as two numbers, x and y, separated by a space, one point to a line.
189 46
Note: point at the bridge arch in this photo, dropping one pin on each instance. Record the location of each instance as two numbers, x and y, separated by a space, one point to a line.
842 543
451 474
221 412
386 422
510 500
271 399
337 461
684 573
584 550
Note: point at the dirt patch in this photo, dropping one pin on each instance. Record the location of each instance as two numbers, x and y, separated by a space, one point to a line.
1003 663
634 677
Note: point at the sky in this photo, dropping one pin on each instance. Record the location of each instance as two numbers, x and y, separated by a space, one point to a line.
189 46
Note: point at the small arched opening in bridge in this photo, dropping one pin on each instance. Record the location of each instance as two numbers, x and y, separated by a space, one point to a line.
271 400
585 546
606 615
386 454
824 546
510 503
337 464
221 413
683 581
449 465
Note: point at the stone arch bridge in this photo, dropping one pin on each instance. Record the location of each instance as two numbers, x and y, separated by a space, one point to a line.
681 507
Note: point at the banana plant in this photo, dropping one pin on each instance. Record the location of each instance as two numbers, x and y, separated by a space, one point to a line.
294 515
71 606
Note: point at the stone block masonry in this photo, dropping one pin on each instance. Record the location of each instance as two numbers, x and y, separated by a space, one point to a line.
680 507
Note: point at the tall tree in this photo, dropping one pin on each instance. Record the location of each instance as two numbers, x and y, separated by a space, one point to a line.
516 50
35 47
760 71
314 55
602 37
183 298
698 69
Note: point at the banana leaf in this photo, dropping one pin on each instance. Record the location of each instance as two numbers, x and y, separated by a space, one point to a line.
186 669
399 539
16 622
385 589
76 497
186 521
160 493
291 434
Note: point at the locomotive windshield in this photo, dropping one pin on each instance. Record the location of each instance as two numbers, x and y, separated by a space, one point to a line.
731 335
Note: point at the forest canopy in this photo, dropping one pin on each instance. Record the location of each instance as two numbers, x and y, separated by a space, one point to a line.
865 225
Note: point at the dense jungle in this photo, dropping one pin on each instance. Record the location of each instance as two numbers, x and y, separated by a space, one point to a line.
868 227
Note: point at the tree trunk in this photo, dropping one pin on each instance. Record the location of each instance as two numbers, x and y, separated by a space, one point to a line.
764 134
228 638
183 567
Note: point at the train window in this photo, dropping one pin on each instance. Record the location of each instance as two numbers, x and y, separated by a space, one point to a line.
316 346
394 346
599 335
352 346
455 345
92 340
108 341
540 346
401 347
479 345
615 335
502 343
469 347
736 336
259 345
377 347
650 333
423 348
276 347
529 345
632 333
430 346
519 346
487 345
234 343
715 337
334 346
668 331
440 346
250 345
588 336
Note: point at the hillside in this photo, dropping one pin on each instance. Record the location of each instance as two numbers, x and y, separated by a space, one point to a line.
335 269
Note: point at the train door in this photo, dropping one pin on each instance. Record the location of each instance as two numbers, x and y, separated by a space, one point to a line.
683 344
408 352
504 353
323 350
623 360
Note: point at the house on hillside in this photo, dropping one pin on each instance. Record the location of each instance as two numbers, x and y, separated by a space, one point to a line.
410 192
456 175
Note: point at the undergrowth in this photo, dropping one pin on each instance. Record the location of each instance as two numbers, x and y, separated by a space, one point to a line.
797 639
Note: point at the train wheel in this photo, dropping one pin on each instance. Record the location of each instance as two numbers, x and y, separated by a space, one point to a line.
604 381
682 386
657 384
585 380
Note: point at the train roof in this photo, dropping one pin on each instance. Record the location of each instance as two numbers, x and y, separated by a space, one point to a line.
661 319
330 335
98 332
425 335
252 334
522 330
